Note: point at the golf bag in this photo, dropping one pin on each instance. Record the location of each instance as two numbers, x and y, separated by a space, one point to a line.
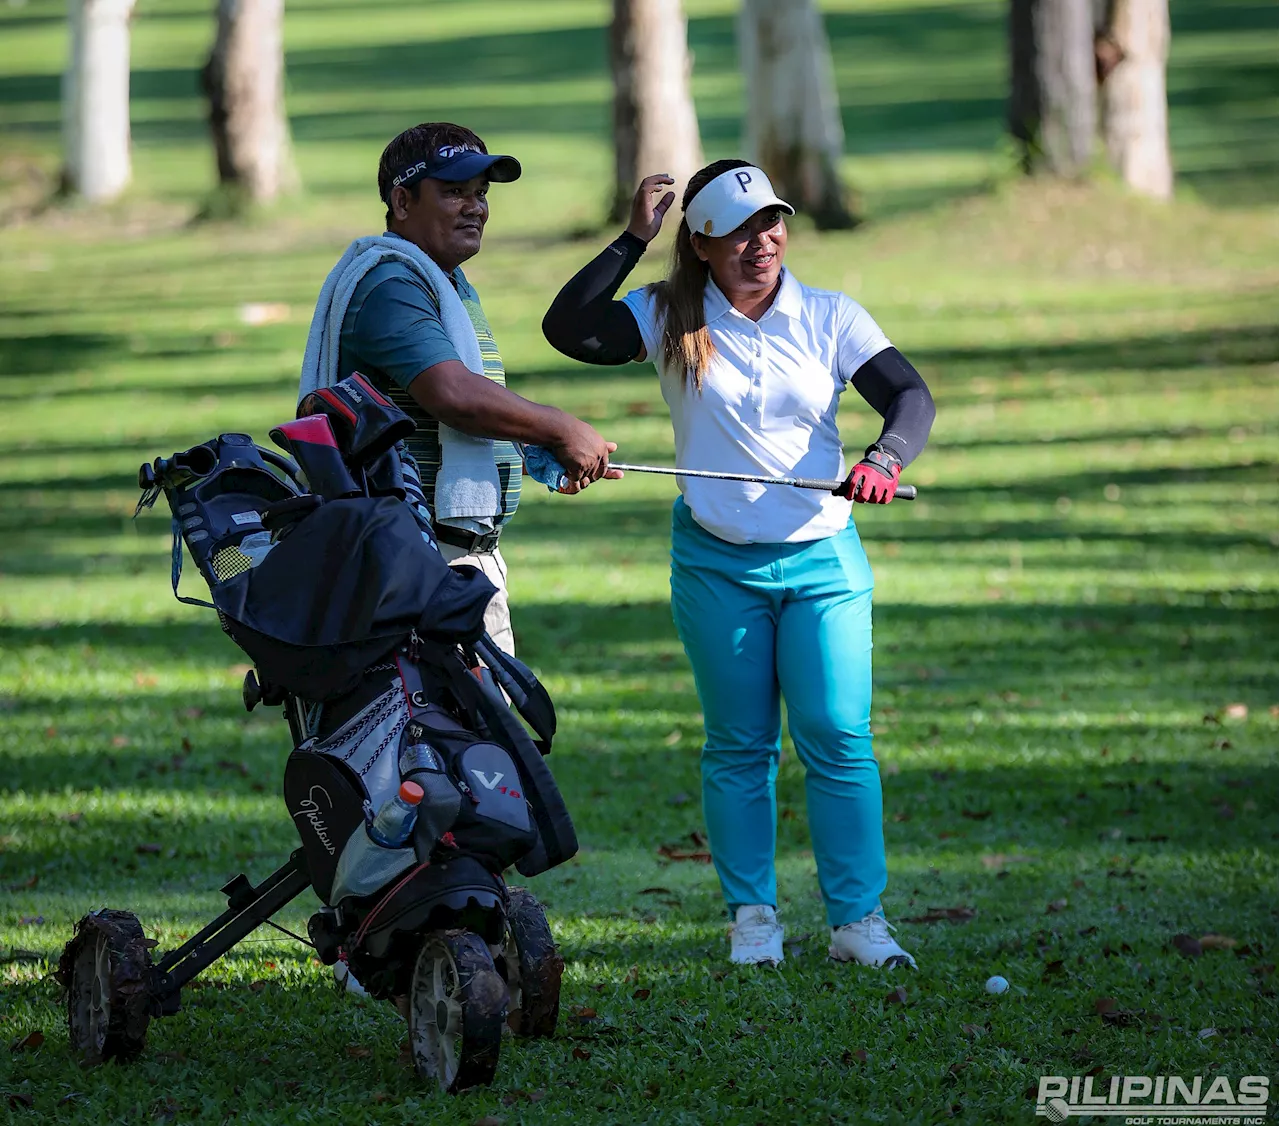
323 569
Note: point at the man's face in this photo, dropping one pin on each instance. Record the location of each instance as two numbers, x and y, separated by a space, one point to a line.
447 219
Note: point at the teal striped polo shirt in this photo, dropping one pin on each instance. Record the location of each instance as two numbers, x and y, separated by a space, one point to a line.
392 331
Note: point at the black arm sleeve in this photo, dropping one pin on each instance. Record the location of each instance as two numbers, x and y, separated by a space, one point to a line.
899 395
584 321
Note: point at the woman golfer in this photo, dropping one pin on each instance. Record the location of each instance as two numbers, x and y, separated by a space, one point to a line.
770 587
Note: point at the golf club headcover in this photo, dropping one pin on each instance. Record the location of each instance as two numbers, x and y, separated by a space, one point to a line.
365 422
311 443
385 476
874 480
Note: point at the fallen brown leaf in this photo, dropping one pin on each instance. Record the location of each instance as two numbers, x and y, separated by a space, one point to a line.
1056 906
585 1012
581 1054
943 915
488 1120
656 891
358 1051
1236 711
26 885
28 1043
235 767
976 814
1216 942
1104 1005
848 1057
20 1098
675 852
995 860
30 920
1187 946
896 996
1125 1018
973 1031
642 994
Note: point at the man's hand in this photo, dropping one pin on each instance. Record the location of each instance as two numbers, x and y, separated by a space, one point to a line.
646 216
611 474
874 480
583 453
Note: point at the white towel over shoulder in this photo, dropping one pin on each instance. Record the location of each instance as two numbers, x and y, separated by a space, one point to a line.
467 493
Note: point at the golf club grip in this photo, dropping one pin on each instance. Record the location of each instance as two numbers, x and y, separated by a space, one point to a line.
904 492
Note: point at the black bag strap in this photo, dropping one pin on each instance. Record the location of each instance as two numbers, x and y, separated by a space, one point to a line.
528 695
557 841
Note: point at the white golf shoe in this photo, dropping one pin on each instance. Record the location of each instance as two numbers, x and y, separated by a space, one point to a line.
869 942
756 937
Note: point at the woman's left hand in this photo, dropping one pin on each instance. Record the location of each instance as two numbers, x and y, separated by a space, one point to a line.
874 480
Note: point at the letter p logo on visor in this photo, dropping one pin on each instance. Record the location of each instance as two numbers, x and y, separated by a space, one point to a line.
730 200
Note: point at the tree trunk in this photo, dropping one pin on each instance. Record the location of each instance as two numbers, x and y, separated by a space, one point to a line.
1135 108
655 128
793 126
244 82
95 99
1053 90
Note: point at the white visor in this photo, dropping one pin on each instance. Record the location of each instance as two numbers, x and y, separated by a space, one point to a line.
730 200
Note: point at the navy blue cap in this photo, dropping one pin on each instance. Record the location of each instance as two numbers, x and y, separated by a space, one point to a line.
456 163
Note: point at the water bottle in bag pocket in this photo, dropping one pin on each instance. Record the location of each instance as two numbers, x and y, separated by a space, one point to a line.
375 853
441 798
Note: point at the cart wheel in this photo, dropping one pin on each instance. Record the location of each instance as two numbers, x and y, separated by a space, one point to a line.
106 971
533 967
457 1007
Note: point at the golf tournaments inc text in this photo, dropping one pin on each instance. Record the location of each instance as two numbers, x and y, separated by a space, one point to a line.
1154 1100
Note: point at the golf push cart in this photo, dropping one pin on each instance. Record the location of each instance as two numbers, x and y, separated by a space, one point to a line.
412 784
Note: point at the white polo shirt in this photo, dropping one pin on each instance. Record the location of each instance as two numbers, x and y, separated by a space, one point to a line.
767 407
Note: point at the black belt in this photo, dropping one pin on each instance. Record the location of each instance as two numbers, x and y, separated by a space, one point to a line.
473 543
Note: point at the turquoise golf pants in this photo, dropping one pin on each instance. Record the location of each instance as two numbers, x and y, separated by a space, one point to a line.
768 622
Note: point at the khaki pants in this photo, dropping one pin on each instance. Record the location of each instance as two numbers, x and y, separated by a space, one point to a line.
497 615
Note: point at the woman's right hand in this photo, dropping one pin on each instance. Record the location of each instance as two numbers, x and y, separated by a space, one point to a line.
646 215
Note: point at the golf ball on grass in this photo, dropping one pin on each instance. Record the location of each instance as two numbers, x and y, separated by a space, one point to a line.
996 984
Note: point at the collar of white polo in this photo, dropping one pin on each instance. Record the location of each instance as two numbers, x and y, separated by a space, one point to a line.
789 300
730 200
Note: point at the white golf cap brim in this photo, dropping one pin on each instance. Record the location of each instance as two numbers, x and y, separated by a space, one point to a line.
730 200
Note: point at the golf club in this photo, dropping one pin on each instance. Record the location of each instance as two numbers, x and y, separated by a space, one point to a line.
904 492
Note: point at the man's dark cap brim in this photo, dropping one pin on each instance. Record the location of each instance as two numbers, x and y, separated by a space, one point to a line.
499 169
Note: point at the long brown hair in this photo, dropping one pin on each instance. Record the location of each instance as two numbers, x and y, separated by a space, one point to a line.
686 340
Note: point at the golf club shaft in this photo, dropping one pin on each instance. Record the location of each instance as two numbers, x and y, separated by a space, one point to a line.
904 492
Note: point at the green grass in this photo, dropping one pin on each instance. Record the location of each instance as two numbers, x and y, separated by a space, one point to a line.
1076 623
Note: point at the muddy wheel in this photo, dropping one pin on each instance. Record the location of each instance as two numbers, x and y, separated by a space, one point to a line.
106 971
457 1009
532 966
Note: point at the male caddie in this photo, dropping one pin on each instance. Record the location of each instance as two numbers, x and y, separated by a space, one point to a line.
398 309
